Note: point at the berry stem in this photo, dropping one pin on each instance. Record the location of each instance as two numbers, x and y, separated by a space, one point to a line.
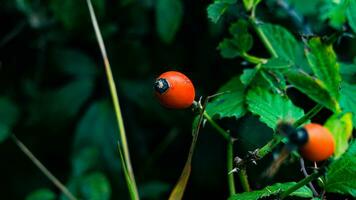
244 180
277 138
311 113
253 59
230 176
301 183
220 130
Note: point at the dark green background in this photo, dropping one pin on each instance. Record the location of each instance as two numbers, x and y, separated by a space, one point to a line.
52 73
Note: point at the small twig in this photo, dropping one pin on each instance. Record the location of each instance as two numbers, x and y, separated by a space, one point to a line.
42 168
115 98
302 182
230 176
302 165
244 180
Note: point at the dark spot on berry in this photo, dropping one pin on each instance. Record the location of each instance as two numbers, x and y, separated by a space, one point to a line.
161 85
299 137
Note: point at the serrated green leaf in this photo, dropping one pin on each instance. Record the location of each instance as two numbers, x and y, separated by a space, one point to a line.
95 186
228 49
239 27
216 10
240 43
275 189
312 88
348 100
335 13
169 14
322 60
340 177
277 64
247 76
284 43
351 14
272 108
41 194
230 103
340 126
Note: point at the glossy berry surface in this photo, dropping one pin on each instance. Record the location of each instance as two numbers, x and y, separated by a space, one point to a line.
174 90
320 145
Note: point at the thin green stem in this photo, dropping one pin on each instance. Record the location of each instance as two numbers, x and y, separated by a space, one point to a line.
220 130
301 183
230 176
115 99
253 59
263 37
267 148
311 113
43 169
244 180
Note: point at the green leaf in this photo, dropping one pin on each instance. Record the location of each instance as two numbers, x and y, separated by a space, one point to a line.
97 129
247 76
312 88
351 14
74 63
272 108
348 100
284 43
84 160
169 14
241 41
230 103
218 8
340 126
335 13
95 186
60 105
9 114
74 14
228 49
41 194
249 4
4 132
323 62
340 177
277 64
275 189
348 72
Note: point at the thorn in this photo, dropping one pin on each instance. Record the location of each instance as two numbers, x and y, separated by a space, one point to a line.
235 170
237 160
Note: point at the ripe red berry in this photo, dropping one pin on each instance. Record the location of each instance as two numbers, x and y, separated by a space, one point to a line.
320 145
174 90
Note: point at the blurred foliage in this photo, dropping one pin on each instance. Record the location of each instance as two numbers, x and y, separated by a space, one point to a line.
54 94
